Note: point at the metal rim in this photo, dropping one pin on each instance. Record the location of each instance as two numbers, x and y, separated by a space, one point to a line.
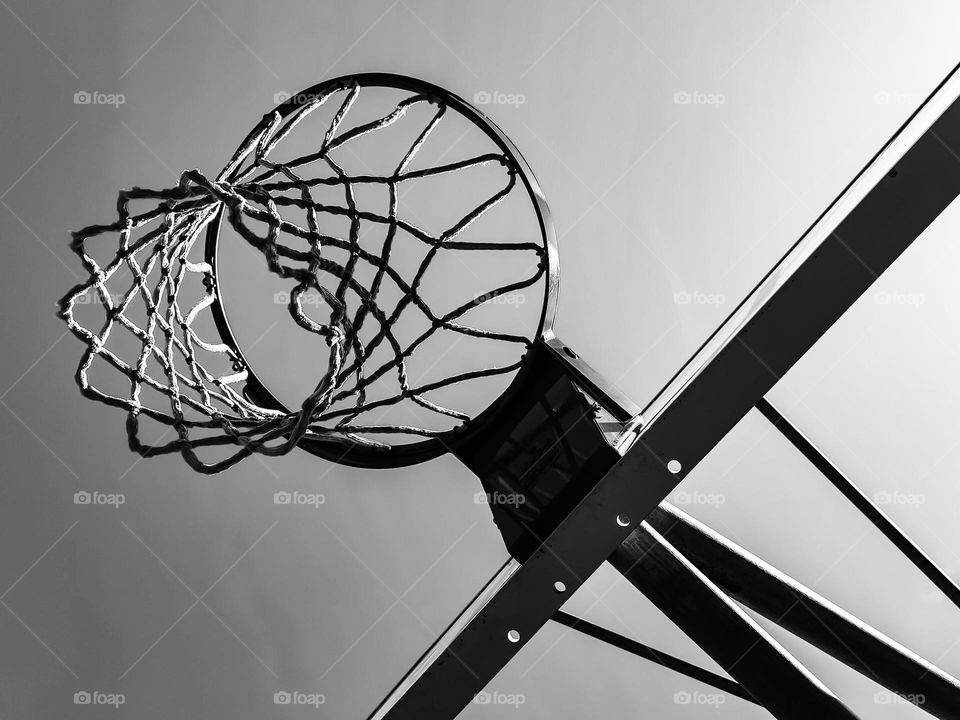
343 450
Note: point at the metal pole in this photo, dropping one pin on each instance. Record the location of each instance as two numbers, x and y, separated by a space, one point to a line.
723 630
656 656
864 504
778 597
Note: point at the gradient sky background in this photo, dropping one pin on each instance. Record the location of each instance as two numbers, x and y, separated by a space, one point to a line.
201 598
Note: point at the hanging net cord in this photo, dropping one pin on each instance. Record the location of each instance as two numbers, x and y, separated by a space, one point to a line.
209 407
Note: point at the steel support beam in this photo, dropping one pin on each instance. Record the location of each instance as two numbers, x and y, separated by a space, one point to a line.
913 178
864 504
723 630
781 599
725 685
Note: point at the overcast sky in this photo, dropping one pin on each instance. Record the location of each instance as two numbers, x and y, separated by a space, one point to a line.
682 146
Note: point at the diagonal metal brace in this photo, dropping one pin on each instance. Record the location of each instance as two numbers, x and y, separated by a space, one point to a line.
723 630
794 607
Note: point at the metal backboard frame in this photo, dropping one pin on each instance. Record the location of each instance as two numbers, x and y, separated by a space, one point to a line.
905 186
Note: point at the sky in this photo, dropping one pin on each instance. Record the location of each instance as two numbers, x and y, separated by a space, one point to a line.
682 147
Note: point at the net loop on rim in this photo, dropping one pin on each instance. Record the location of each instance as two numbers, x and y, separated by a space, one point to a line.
203 378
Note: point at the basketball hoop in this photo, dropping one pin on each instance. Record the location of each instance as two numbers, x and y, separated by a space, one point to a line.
202 385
